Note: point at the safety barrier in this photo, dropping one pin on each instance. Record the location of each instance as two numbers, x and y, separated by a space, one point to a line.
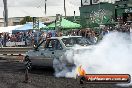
15 44
10 58
14 50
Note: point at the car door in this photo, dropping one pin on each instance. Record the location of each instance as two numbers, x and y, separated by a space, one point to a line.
58 49
36 56
53 49
43 55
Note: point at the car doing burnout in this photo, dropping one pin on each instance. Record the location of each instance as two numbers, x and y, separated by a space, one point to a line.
54 48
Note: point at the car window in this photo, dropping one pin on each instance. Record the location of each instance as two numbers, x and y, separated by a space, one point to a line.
71 41
54 44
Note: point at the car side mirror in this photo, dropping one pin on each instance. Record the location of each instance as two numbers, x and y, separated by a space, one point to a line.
35 48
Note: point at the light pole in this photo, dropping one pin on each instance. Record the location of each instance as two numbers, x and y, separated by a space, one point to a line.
5 13
65 8
45 6
74 16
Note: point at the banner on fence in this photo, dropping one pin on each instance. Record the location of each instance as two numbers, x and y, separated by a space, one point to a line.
15 43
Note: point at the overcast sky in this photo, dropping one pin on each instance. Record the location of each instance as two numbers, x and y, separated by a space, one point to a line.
27 3
21 8
36 7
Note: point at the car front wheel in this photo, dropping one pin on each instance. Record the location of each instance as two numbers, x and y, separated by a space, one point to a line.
28 63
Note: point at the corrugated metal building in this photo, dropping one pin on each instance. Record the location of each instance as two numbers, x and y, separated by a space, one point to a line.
93 13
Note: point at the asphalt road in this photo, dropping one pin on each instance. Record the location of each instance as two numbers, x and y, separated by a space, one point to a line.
12 76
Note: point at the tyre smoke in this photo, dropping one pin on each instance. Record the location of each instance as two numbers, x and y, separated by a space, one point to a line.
113 55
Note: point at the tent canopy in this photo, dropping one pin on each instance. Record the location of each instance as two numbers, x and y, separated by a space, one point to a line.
9 28
66 24
28 26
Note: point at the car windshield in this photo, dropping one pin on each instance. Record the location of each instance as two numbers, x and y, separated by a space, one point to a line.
71 41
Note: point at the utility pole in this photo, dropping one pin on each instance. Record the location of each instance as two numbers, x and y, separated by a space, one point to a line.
45 7
74 16
5 13
81 3
65 8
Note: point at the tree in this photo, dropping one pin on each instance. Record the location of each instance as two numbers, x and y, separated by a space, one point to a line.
26 19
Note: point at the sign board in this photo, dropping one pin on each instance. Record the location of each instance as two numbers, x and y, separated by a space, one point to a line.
85 2
58 22
15 43
35 23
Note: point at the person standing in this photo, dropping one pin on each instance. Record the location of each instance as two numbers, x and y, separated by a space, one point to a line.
4 39
0 40
36 38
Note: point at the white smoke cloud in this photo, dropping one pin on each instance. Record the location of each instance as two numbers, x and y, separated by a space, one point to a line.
111 56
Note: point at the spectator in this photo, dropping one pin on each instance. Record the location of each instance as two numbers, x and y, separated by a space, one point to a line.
1 40
43 36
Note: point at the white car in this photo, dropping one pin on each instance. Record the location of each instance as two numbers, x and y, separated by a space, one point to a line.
53 49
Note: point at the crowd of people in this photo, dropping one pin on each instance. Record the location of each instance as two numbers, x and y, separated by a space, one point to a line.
87 33
29 37
33 38
95 36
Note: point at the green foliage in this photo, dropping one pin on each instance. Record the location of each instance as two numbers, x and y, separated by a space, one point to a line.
26 19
